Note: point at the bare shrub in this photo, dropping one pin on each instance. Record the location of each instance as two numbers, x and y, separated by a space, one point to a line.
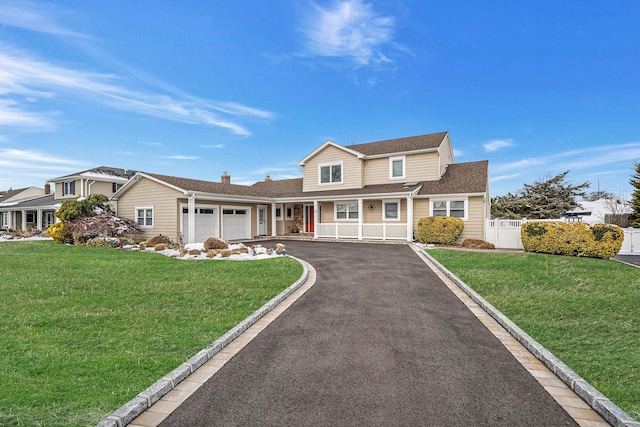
477 244
157 240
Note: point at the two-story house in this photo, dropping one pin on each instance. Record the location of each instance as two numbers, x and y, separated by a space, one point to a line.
36 212
377 190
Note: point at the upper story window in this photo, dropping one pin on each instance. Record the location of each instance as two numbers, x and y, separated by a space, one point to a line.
115 187
455 208
68 188
144 216
346 210
396 167
331 174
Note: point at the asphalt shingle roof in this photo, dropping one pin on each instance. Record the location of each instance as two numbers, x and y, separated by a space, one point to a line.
459 178
471 177
400 145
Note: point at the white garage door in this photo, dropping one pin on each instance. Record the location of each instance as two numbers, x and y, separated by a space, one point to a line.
236 224
206 223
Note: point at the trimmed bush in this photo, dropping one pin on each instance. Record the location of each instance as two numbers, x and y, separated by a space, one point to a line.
574 239
106 242
59 233
213 243
157 240
477 244
440 229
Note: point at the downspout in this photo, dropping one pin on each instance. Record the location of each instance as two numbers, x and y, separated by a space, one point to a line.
89 187
191 231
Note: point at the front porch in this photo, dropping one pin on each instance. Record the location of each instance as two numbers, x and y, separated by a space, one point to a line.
370 218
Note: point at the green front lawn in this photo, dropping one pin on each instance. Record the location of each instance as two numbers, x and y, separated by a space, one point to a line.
585 311
86 329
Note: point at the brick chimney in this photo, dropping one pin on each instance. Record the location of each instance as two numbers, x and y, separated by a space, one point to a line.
225 178
47 188
267 178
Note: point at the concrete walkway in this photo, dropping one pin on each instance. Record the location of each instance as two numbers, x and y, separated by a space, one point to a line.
378 340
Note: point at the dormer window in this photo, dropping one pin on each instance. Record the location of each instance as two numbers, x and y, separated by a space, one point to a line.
397 167
331 174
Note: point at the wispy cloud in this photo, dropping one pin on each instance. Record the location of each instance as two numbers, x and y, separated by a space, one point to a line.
212 146
498 144
23 15
586 158
348 29
23 160
25 77
504 177
180 157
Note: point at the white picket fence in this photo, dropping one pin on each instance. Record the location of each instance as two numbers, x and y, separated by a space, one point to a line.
505 234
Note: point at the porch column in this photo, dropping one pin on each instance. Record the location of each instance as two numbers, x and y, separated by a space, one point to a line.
409 218
316 217
360 215
39 220
11 219
24 220
273 220
191 208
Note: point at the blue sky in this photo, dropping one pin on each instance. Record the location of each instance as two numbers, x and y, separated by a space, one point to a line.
194 88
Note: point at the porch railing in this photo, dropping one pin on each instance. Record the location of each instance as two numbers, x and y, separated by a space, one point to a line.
344 230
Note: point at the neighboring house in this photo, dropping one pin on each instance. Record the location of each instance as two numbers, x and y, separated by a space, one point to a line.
596 212
377 190
13 197
36 211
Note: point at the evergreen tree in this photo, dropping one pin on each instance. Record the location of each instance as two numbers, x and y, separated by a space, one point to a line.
544 199
634 217
89 206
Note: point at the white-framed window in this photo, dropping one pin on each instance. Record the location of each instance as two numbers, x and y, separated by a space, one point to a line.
31 217
144 216
391 210
289 212
456 208
5 219
115 187
279 212
68 188
397 167
330 174
345 211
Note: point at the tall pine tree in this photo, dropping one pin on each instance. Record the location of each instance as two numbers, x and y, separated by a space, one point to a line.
634 218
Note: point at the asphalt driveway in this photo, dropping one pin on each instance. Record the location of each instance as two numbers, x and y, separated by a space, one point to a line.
378 340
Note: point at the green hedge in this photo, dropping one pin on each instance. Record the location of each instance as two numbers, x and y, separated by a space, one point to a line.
575 239
440 229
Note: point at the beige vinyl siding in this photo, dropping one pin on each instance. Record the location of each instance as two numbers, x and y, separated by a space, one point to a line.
59 195
418 167
351 170
326 212
164 200
376 217
474 226
101 187
445 153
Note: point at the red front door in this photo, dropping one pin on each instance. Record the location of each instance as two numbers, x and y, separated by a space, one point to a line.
309 218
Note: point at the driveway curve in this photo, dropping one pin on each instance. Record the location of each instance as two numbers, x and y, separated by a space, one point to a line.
379 340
